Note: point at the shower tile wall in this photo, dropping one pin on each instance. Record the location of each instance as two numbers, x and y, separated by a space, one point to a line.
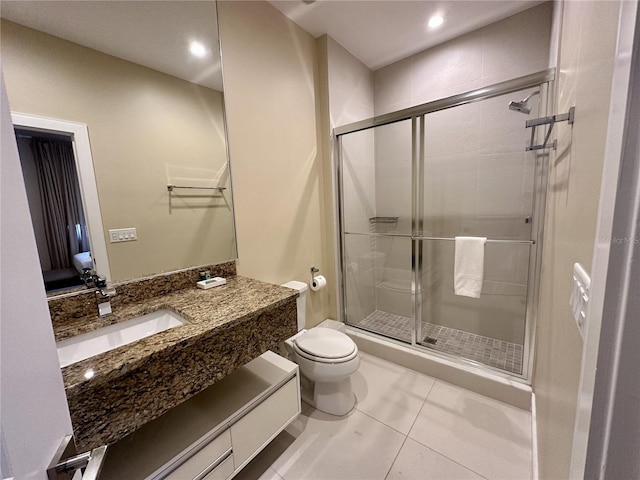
507 49
350 84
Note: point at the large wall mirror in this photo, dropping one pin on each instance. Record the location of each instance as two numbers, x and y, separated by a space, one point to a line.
144 81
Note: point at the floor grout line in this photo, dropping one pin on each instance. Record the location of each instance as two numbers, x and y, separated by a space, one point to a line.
380 421
395 459
447 457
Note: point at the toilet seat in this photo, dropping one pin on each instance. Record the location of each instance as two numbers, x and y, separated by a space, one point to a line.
323 359
325 346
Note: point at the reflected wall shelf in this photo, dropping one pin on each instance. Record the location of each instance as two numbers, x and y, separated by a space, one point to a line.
171 188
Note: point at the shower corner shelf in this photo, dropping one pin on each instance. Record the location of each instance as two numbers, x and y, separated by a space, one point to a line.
533 124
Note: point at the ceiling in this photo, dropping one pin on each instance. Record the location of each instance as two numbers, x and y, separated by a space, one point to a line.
155 34
381 32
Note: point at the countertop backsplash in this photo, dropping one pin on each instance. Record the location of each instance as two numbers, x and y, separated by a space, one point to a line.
85 303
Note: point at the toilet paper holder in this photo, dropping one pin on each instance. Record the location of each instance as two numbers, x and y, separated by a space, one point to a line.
318 282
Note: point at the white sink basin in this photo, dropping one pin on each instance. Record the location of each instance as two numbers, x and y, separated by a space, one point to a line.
80 347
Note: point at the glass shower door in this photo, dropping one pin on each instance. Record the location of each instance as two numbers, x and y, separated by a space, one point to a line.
478 181
376 172
455 167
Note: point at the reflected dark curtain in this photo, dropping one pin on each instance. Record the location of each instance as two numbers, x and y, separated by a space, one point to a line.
65 225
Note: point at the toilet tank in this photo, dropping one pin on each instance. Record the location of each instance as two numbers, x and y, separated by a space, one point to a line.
300 301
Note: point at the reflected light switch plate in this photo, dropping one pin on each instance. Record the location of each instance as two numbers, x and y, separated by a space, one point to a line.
579 300
122 235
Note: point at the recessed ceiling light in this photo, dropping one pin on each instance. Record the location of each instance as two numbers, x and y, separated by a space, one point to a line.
197 49
436 21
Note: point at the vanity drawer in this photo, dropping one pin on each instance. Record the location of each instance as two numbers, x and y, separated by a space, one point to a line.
222 471
252 432
211 453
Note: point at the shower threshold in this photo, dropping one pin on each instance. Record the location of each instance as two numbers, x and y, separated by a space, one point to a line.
489 351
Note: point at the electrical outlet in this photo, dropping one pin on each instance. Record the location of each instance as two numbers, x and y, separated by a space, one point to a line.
579 301
122 235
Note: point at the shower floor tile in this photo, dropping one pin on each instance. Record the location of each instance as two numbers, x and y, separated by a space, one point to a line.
489 351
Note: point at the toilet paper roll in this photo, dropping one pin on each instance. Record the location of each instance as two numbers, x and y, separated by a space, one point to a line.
318 283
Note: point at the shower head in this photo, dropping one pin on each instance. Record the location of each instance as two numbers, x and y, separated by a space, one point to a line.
522 106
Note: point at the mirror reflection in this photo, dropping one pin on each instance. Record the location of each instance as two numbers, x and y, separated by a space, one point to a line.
55 202
144 80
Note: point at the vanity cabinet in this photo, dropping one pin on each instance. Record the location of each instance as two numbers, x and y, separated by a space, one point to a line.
213 460
216 433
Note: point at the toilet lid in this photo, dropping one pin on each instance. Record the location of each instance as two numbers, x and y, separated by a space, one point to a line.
325 343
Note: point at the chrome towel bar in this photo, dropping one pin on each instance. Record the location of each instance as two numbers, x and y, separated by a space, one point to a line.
489 240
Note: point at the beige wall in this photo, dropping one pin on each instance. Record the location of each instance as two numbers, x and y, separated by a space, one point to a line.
146 129
587 46
271 79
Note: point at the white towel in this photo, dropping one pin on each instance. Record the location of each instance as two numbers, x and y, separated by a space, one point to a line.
468 267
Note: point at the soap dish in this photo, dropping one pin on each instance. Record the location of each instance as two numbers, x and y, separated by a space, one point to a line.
211 282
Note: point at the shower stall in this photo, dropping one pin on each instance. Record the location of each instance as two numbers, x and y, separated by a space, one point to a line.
409 182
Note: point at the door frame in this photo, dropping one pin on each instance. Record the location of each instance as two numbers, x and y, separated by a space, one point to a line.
79 136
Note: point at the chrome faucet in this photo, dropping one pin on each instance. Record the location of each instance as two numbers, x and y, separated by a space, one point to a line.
104 294
104 291
91 278
88 276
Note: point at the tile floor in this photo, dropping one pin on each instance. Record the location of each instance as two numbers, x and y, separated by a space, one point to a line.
406 425
496 353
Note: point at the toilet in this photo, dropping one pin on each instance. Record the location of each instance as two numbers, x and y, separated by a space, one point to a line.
326 358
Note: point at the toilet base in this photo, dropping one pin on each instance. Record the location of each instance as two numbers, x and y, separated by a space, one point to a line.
335 398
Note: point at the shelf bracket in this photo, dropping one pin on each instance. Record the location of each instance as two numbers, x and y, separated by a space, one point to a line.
551 121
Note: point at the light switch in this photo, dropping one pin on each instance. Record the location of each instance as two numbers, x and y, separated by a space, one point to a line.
579 301
122 235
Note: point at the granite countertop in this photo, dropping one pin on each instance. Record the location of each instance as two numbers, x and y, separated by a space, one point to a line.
204 310
112 394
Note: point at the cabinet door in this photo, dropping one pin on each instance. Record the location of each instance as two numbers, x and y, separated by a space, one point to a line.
206 456
258 427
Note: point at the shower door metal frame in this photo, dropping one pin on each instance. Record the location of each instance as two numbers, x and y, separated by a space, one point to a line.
543 79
